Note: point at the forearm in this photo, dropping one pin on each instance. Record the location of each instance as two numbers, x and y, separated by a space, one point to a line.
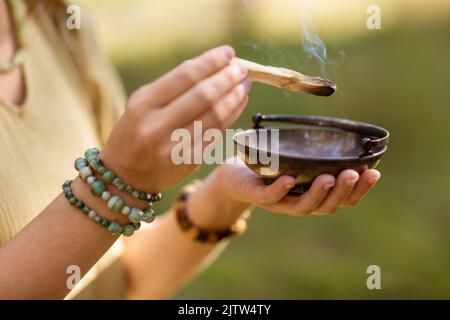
162 257
33 264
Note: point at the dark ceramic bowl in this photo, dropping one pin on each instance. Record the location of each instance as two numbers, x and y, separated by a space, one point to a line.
316 145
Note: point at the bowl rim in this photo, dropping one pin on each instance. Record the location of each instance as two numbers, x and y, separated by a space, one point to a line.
364 158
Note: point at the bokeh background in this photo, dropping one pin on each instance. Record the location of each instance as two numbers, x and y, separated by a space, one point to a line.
397 77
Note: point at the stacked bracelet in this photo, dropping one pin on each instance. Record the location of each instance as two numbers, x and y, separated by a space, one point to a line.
199 234
92 164
112 226
108 176
87 168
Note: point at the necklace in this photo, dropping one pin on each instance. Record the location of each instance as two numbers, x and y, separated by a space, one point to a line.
18 15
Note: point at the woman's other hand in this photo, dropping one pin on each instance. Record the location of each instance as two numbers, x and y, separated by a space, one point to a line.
234 187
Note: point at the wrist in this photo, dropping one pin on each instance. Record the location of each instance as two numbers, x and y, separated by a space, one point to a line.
131 176
211 207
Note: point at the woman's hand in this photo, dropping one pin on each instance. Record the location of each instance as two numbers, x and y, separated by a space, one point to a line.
234 187
205 88
326 195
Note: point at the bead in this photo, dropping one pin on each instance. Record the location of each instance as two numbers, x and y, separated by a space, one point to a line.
114 227
116 203
108 176
97 188
95 163
73 201
101 170
157 197
135 215
121 187
20 55
105 223
142 196
106 195
90 179
86 210
116 181
85 172
126 210
137 225
128 230
149 216
80 163
129 188
79 204
98 219
135 194
7 66
92 214
91 152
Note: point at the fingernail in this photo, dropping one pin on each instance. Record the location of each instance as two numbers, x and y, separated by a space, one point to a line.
290 186
229 52
328 186
239 69
247 85
351 182
373 180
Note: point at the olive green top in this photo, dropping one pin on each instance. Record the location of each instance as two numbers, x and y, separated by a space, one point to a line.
73 98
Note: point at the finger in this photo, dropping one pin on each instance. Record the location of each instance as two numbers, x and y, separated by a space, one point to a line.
211 120
188 74
235 114
204 143
310 200
338 195
206 93
217 115
307 202
367 181
263 194
199 142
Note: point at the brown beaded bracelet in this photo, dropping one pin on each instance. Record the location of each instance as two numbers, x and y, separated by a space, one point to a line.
199 234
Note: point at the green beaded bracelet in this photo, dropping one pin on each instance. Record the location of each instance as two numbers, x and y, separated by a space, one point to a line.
108 176
112 226
115 202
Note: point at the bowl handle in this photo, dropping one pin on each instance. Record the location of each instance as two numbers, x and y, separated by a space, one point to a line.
375 137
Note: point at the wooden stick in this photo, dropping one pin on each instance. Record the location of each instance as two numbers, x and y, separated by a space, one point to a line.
287 79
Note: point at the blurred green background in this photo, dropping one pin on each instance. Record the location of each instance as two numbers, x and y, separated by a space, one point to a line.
397 77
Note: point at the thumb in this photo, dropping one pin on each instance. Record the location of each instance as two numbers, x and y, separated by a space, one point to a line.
265 194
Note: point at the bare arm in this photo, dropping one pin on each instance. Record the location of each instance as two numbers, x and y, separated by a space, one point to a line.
33 264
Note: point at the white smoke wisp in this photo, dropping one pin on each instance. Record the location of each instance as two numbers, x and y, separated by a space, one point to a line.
313 46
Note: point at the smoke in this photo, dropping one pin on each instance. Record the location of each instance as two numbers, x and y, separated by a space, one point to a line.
313 46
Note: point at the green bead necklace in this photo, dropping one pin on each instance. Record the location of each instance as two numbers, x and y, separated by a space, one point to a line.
18 14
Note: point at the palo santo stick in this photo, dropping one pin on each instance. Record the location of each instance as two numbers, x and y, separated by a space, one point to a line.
287 79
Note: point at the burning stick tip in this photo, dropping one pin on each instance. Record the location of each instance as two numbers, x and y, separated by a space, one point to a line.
324 89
